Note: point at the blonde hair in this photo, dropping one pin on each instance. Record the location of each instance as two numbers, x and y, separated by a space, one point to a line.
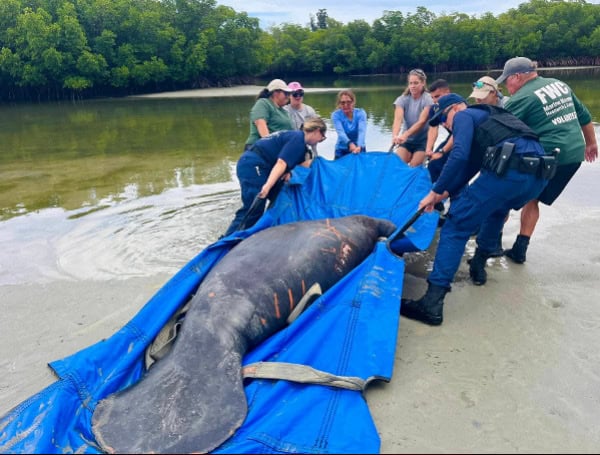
314 123
346 92
421 75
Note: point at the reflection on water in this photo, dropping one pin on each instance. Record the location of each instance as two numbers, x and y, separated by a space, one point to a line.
111 188
132 237
72 156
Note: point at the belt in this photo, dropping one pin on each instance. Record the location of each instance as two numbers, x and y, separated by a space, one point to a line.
527 164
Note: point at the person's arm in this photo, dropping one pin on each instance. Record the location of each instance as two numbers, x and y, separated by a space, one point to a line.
397 125
259 116
432 135
261 127
431 199
455 173
444 149
587 128
338 124
362 130
274 176
447 145
416 127
591 145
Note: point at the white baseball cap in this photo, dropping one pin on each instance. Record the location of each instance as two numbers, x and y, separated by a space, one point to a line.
278 84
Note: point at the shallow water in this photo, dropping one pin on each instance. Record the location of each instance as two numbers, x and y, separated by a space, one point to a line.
132 187
133 237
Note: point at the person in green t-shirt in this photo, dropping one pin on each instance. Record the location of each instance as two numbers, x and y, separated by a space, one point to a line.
268 115
551 109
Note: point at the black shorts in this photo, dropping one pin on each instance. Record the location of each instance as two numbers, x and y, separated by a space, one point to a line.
413 147
563 175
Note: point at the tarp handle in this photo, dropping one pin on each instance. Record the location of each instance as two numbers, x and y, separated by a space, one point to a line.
253 207
408 224
301 373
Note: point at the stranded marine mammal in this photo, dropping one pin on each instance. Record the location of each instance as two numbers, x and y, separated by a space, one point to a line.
193 399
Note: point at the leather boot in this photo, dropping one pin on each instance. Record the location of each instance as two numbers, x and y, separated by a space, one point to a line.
518 250
429 308
477 267
497 253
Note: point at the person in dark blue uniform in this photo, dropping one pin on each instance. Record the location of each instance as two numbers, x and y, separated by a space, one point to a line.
439 156
267 163
512 171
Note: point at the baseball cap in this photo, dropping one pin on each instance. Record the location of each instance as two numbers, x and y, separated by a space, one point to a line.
295 86
278 84
483 87
444 103
515 65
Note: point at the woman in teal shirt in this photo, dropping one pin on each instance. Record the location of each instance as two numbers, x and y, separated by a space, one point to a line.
268 115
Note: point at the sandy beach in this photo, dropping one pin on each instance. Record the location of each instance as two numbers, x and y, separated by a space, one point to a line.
515 367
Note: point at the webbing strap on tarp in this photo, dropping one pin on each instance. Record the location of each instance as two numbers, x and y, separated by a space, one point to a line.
301 373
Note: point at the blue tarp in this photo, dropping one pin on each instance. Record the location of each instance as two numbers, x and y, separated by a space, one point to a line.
350 330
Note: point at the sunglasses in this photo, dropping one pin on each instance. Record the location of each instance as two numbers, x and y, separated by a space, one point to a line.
417 72
480 84
344 103
298 94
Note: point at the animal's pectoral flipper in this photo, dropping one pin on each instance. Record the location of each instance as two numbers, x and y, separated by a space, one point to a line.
189 401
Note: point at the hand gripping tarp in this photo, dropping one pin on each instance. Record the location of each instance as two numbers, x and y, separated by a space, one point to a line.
349 331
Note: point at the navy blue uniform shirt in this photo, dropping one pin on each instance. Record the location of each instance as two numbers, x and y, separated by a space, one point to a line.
287 145
458 170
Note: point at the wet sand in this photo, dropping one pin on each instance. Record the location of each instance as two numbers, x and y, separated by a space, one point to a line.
515 368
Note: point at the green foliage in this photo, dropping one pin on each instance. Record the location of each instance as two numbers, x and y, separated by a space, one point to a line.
77 84
78 48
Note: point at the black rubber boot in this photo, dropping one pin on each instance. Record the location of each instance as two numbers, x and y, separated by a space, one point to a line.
518 250
497 253
429 308
477 267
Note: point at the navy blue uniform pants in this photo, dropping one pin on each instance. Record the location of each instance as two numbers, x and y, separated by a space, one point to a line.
481 207
252 172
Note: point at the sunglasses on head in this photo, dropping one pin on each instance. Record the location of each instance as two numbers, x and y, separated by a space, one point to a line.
480 84
298 94
418 72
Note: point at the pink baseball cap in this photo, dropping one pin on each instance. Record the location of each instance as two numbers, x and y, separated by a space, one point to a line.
295 86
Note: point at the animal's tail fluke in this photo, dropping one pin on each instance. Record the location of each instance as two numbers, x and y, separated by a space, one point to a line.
178 407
